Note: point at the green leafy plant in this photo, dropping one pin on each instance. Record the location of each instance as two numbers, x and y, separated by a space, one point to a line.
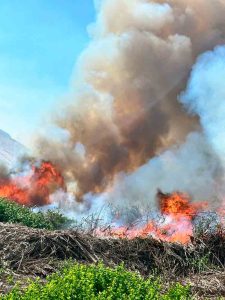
12 212
97 282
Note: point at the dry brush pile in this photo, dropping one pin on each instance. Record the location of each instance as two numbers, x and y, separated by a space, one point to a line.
28 252
33 250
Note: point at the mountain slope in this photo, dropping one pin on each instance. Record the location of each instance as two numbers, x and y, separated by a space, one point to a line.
10 149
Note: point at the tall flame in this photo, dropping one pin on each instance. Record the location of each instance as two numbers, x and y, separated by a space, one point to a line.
35 188
175 224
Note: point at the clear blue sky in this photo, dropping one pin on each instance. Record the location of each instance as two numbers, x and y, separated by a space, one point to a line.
40 41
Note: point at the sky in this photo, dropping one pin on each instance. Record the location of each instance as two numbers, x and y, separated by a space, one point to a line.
40 41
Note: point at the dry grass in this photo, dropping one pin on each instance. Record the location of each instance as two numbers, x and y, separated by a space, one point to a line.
207 285
34 252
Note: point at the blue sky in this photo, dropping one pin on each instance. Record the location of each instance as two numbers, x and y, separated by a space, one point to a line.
40 41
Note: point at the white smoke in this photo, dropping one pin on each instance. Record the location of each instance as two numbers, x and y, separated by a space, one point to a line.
197 166
205 97
191 168
125 110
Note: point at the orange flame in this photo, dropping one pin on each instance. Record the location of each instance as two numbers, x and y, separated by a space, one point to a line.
33 189
176 224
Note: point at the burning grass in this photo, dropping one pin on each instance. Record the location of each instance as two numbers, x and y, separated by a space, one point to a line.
39 186
176 250
22 247
177 220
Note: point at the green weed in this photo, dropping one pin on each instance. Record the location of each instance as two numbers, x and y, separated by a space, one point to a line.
97 282
12 212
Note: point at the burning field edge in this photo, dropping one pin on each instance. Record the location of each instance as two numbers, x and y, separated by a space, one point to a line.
30 253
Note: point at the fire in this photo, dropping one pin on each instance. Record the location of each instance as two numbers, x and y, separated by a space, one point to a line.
35 188
176 204
13 192
177 212
175 224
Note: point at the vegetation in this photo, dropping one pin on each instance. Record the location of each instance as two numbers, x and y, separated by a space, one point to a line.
89 282
31 253
12 212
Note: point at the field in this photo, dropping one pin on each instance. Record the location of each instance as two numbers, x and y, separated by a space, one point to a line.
69 260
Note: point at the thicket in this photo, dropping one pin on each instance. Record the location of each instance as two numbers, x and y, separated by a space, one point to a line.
12 212
91 282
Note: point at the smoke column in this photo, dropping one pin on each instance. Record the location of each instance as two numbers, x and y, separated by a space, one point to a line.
205 97
197 166
124 109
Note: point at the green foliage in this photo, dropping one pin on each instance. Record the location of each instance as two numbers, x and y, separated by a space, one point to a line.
97 282
12 212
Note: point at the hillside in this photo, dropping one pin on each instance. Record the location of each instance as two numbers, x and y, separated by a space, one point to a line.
10 149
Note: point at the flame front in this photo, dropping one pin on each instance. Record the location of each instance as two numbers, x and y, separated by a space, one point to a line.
176 220
35 188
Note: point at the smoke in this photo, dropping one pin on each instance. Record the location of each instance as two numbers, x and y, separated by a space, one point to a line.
197 166
124 109
192 168
4 172
205 97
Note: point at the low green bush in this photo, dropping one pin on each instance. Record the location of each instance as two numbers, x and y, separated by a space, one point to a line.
97 282
12 212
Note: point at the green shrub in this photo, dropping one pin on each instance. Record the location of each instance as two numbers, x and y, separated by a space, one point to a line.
12 212
97 282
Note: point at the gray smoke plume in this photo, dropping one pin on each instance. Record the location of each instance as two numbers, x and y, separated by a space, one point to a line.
197 167
4 172
192 168
124 109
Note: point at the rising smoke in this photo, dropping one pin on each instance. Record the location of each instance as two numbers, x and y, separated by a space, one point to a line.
205 96
123 114
196 167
